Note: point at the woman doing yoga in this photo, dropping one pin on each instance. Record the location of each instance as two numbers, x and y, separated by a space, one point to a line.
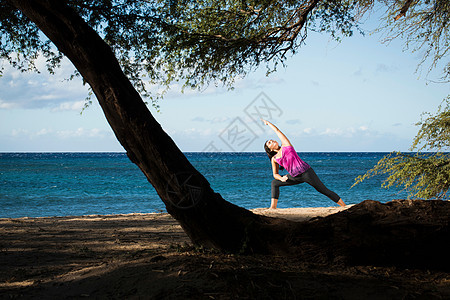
299 171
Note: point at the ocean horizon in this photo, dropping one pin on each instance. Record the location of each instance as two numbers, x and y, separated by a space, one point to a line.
47 184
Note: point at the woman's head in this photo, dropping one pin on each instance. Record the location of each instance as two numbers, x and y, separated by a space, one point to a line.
270 146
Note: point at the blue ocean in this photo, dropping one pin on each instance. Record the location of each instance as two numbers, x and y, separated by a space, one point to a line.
70 184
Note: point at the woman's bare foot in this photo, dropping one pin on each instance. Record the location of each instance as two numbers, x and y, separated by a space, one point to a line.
273 204
340 202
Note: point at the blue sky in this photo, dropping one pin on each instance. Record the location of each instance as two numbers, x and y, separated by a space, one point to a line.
357 95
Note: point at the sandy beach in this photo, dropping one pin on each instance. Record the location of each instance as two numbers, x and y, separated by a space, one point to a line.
149 256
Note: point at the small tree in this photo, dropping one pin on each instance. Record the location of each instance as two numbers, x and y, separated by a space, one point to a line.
424 27
425 174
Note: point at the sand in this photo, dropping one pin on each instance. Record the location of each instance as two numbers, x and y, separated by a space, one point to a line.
300 214
149 256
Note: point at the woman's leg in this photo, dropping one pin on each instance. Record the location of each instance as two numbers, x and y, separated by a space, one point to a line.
311 178
276 188
273 203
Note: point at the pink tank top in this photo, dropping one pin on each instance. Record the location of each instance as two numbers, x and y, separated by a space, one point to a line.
291 162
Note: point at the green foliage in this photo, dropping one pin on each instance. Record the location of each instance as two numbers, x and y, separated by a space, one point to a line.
423 25
223 39
131 28
21 42
422 175
195 43
434 131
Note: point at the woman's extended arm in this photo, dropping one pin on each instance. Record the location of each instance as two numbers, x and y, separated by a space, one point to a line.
284 140
275 169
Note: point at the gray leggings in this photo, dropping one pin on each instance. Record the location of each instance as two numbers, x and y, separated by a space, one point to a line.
309 177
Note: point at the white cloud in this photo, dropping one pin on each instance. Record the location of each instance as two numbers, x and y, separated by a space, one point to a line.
19 132
214 120
60 134
332 131
44 131
13 84
349 132
198 132
308 130
14 73
32 82
192 132
46 97
81 132
6 105
22 90
69 106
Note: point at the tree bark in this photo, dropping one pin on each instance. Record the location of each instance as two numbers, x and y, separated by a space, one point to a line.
394 233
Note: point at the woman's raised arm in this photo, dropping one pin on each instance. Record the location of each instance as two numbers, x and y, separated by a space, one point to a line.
284 140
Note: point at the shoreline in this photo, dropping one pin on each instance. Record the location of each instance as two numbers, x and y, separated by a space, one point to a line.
292 213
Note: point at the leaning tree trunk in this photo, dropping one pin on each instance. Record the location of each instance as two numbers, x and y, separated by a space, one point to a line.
413 233
208 219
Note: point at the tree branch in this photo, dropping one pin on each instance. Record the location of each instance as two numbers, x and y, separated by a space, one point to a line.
404 9
277 40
